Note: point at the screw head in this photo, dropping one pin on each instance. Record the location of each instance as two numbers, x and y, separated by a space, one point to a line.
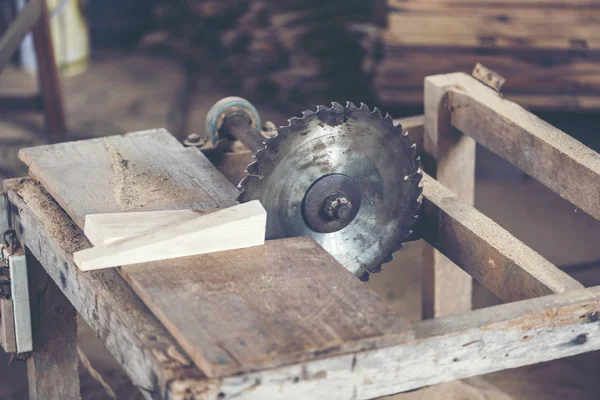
595 316
193 138
337 206
581 339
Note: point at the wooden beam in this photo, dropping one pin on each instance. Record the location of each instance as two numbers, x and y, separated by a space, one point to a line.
236 227
482 248
446 289
447 348
53 366
557 160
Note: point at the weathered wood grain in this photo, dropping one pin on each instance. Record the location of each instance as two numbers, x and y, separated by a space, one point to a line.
138 341
52 367
446 348
141 171
343 331
446 289
489 253
284 302
557 160
520 25
548 51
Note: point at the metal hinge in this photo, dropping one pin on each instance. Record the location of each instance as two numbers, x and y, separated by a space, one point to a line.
15 310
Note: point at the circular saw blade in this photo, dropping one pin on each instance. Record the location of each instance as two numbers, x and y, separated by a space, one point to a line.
352 142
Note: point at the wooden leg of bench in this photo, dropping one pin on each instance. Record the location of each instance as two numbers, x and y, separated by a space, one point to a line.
52 368
54 117
446 288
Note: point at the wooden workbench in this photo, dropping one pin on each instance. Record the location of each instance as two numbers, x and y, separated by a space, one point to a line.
180 328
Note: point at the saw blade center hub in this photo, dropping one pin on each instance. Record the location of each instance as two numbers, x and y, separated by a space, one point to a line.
331 203
337 206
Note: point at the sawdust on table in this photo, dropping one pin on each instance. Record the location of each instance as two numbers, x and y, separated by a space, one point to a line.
53 218
135 186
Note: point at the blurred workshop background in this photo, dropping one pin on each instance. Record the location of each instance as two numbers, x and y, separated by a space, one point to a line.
91 68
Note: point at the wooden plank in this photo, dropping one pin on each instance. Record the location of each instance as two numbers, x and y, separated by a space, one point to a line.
526 26
489 253
302 306
446 289
231 228
129 173
557 160
525 73
52 367
447 348
137 340
341 332
103 229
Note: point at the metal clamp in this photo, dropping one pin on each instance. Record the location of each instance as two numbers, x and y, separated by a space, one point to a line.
15 310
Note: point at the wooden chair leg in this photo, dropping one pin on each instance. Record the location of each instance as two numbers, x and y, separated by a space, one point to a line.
54 117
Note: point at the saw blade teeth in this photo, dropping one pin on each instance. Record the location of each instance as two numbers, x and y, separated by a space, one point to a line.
351 106
321 108
388 118
252 169
364 108
377 112
338 108
364 276
307 113
294 121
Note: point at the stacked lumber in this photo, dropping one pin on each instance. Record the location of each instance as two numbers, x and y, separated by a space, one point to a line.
548 51
284 49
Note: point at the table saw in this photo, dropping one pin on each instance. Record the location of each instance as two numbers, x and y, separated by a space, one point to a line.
342 186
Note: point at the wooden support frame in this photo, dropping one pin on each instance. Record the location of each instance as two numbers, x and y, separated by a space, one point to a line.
548 314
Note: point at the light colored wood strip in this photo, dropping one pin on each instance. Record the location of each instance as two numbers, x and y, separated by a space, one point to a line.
489 253
448 348
557 160
446 288
231 228
103 229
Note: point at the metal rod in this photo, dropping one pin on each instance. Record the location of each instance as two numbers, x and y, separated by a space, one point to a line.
238 126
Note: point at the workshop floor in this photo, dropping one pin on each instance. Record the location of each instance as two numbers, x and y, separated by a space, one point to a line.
123 93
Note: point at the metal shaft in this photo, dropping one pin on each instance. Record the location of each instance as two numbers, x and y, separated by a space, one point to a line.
238 126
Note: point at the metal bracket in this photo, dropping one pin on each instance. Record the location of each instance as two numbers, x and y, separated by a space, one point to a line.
15 310
488 77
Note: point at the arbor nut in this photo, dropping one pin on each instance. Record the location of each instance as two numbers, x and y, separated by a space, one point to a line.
337 206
